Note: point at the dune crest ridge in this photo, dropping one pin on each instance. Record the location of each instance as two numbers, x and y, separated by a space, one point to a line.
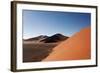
77 47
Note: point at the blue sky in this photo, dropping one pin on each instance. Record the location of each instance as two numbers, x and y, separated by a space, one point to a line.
37 23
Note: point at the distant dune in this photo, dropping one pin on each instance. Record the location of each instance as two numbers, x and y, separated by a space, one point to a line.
76 47
38 38
55 38
47 39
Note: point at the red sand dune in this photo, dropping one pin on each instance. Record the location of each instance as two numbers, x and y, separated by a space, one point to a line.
76 47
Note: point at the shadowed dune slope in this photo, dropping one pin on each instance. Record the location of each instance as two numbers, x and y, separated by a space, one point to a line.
76 47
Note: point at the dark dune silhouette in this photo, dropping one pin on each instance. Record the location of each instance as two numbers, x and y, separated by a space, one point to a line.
48 39
55 38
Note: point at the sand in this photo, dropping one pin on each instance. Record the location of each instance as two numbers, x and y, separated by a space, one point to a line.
77 47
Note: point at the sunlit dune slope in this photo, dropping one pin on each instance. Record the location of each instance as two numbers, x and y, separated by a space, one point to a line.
76 47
